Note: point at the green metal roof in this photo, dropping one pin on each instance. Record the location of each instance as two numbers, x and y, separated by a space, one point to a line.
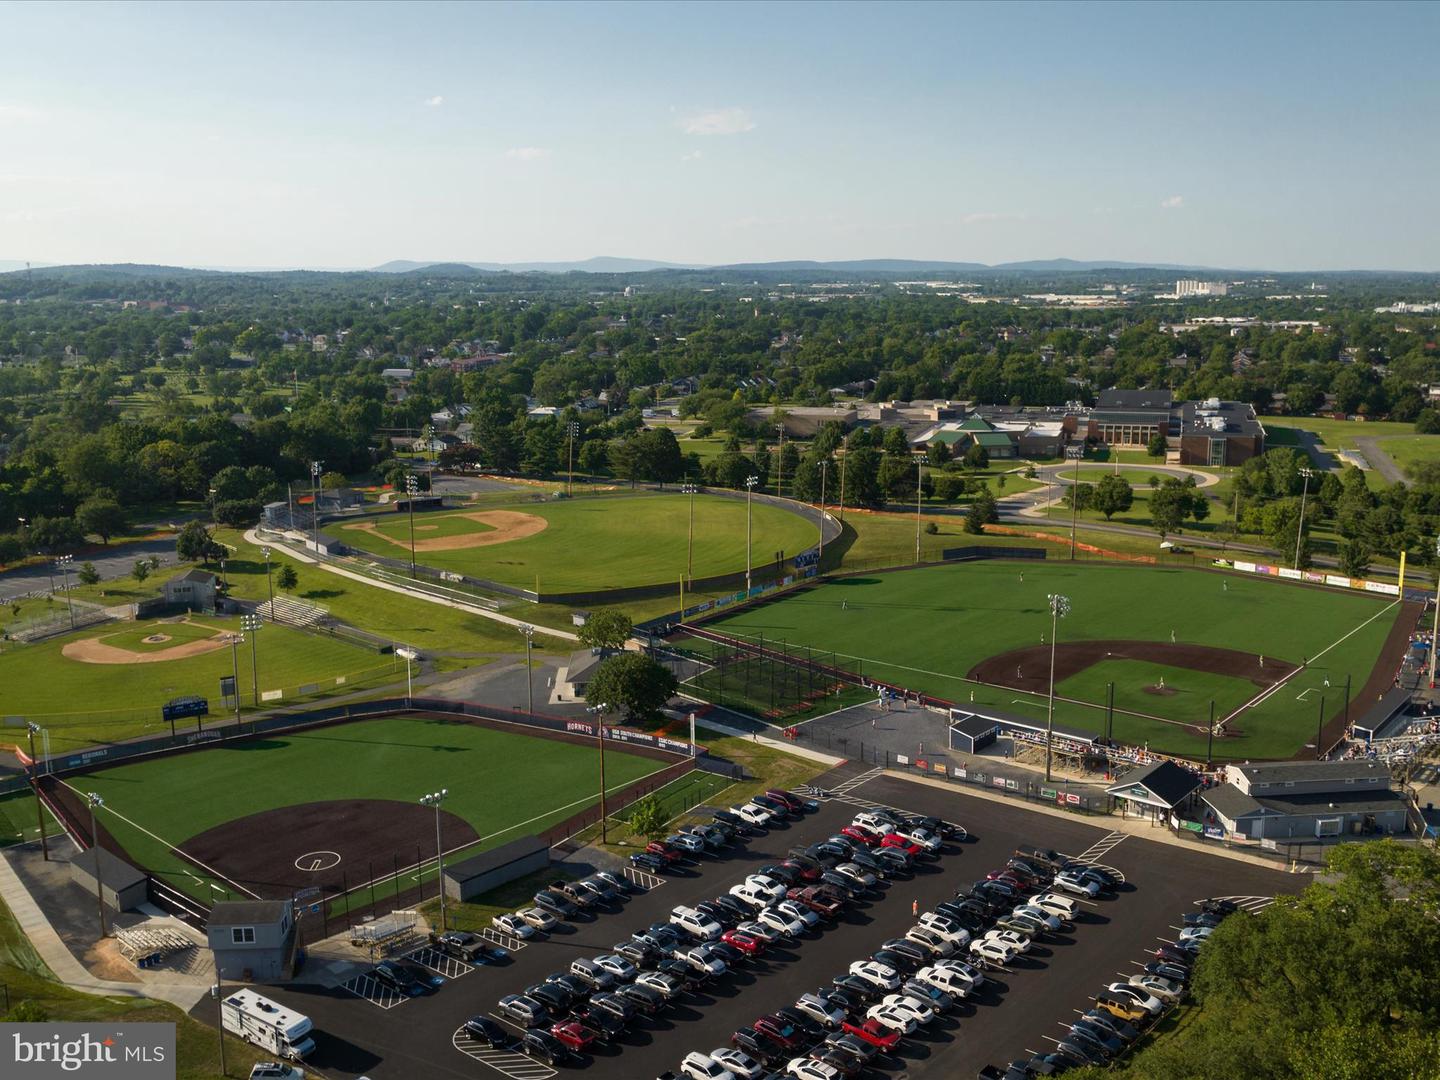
976 423
988 439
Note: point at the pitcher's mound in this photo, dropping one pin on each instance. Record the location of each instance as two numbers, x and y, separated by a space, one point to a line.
156 639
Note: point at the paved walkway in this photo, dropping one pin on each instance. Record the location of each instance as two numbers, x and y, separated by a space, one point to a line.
1380 461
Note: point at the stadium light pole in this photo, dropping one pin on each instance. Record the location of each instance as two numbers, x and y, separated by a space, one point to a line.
1059 608
919 476
315 467
529 632
844 468
823 462
599 711
1074 507
64 563
251 624
750 482
269 582
94 801
1435 632
30 729
690 489
1307 473
435 798
412 488
407 655
572 432
236 640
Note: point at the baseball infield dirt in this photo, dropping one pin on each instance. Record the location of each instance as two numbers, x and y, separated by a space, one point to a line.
95 651
505 525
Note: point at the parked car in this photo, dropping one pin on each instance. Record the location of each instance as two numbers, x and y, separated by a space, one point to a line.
543 1046
553 996
469 947
758 1045
403 979
897 1019
695 924
738 1063
487 1032
555 904
649 862
573 1035
821 1008
781 1031
525 1011
810 1069
794 909
879 1035
901 962
698 1066
932 942
1062 907
662 983
929 993
644 998
880 975
1158 986
748 944
992 952
620 969
513 925
1151 1004
1076 884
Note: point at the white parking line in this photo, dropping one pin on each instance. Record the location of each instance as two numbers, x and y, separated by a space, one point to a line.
439 962
506 1062
504 940
370 989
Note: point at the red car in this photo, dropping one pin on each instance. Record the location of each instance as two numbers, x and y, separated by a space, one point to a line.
862 835
782 1031
662 849
822 903
805 871
781 795
874 1033
749 944
573 1034
894 840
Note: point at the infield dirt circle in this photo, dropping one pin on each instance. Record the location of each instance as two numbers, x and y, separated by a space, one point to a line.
95 651
504 526
1029 669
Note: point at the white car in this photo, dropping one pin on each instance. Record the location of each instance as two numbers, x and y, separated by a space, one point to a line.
767 934
776 889
992 952
960 967
799 911
1060 906
618 966
539 918
1052 922
921 1011
701 960
781 922
698 1066
691 845
1149 1002
876 974
1196 934
947 928
858 875
1071 882
738 1063
753 895
753 814
930 941
513 925
810 1069
898 1019
874 822
663 983
275 1070
920 838
1009 938
1158 986
695 924
952 982
820 1010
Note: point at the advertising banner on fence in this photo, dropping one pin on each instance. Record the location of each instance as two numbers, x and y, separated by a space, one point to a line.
1315 577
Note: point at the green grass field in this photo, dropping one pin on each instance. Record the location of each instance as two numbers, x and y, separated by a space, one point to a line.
603 542
1407 450
925 629
75 700
503 783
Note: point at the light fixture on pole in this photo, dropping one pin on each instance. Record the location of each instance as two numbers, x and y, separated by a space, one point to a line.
572 432
435 798
269 584
32 729
1075 500
94 801
63 561
251 625
823 463
529 632
919 476
407 655
236 640
315 467
412 488
1059 608
1307 473
690 489
750 482
599 711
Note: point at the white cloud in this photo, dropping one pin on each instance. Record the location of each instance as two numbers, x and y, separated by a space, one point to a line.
1174 202
730 121
17 114
693 155
526 153
435 102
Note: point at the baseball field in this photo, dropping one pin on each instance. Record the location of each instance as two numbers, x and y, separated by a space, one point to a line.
1171 641
124 672
338 806
606 542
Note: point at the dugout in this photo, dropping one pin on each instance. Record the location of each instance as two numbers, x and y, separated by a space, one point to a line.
491 869
971 733
1385 717
121 885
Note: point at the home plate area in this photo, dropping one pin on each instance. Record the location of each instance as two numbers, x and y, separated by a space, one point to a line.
323 845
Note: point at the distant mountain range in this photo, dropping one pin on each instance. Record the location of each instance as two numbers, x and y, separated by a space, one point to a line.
601 264
605 264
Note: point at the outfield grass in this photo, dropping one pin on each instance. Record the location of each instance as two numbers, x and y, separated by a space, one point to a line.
1408 450
610 542
503 783
925 628
1339 434
1188 692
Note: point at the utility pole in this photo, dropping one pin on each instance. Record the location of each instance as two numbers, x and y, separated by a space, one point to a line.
269 583
412 488
750 482
315 467
30 729
529 632
93 801
219 995
251 624
1307 473
435 799
1320 727
1059 608
599 711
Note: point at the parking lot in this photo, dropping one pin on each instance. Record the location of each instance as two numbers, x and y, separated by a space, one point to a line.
1016 1010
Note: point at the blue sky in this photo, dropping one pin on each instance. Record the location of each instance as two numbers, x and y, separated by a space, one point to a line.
1286 136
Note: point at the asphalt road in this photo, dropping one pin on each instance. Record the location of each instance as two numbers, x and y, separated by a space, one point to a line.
113 562
1018 1009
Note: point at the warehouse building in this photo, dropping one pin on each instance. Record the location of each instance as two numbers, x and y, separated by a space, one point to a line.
1306 799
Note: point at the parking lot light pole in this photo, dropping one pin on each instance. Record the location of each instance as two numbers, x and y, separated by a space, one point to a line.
30 729
94 801
269 583
1059 608
599 711
251 625
529 632
1307 473
412 488
408 655
750 482
435 798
